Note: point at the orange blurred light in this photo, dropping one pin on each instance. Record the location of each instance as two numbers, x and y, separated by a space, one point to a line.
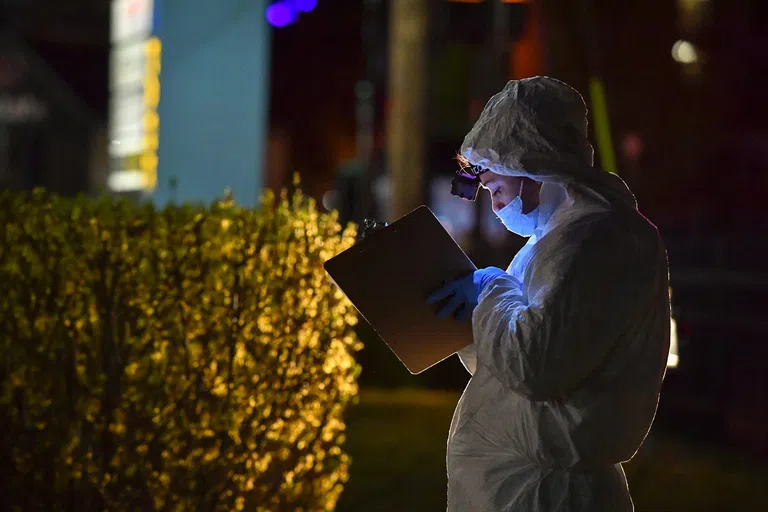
527 56
481 1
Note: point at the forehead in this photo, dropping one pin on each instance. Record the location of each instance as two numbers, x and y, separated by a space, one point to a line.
488 177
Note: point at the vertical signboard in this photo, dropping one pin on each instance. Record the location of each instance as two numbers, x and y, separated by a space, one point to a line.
134 95
206 132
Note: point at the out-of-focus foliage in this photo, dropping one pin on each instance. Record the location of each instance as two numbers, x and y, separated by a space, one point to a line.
185 359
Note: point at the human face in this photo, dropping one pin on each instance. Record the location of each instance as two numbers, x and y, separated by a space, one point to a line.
504 189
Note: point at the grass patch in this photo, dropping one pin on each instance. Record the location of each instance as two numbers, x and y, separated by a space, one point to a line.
397 441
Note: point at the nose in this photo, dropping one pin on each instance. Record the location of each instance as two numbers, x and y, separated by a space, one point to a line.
498 205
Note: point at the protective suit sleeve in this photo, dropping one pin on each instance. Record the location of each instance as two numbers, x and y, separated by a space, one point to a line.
544 347
468 357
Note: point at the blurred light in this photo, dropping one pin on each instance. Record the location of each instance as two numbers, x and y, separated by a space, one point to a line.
382 192
126 181
673 359
364 90
330 200
305 5
632 146
602 129
448 226
482 1
691 4
281 14
459 217
684 52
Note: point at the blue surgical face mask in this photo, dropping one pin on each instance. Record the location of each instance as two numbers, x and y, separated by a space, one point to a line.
515 220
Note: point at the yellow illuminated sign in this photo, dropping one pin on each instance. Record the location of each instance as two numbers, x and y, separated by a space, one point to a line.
148 159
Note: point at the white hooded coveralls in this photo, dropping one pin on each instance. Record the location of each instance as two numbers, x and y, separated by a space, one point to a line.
570 346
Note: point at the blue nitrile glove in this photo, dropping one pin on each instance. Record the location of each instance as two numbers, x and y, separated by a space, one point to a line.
464 293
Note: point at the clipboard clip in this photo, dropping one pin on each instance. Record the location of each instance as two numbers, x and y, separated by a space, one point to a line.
369 226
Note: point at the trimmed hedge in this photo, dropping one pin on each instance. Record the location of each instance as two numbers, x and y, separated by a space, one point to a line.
192 358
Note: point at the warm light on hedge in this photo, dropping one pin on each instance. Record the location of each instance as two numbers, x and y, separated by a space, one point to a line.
184 359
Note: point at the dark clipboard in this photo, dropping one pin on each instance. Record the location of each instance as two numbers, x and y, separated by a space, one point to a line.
388 276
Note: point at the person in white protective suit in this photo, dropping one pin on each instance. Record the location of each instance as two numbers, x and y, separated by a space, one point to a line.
571 342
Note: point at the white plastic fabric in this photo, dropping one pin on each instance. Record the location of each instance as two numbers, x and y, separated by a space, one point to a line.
570 348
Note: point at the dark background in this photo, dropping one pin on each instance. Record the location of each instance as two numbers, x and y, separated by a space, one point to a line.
701 174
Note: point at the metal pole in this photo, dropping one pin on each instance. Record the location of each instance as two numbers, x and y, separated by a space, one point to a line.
407 113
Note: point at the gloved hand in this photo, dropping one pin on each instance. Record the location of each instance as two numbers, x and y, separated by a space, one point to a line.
464 293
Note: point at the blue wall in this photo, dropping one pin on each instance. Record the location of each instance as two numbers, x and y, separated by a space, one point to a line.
213 99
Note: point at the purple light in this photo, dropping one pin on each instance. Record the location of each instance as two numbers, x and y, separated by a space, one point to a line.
281 14
305 5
